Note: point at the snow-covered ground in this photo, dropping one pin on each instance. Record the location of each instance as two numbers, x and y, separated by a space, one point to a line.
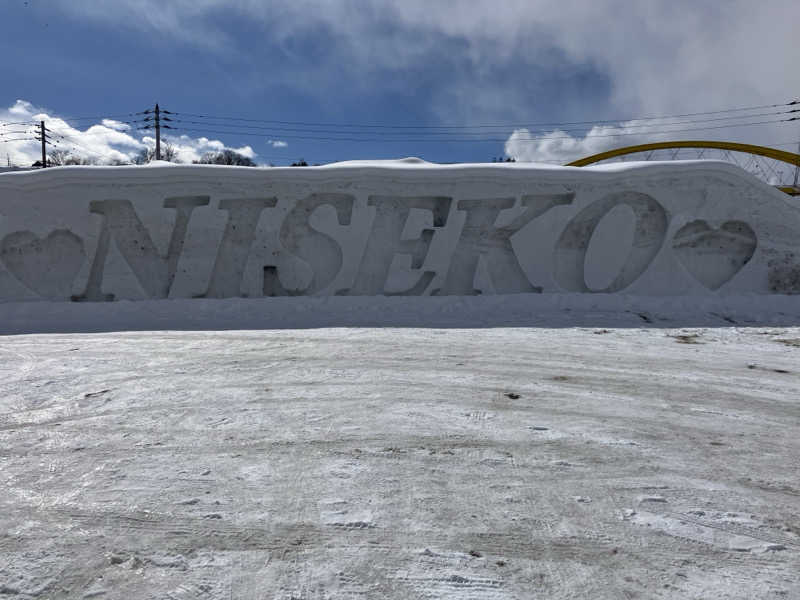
511 310
608 461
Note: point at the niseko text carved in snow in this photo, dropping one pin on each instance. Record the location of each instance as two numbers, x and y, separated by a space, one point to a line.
334 243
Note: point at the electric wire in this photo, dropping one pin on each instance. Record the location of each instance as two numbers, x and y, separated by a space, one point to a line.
442 133
69 140
112 117
486 140
501 125
15 133
126 117
3 124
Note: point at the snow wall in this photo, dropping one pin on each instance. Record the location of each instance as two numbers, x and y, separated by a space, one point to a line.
394 228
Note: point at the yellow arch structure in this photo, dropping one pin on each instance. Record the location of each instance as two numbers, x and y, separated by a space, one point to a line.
781 155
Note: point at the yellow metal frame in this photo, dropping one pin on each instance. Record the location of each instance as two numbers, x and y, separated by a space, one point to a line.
787 157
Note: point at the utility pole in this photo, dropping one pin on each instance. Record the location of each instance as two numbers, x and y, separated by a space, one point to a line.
43 138
796 169
157 119
158 133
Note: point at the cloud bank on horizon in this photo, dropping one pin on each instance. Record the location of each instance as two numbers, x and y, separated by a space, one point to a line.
107 142
467 62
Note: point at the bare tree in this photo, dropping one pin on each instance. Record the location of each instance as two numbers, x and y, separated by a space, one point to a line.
59 157
226 157
80 160
146 155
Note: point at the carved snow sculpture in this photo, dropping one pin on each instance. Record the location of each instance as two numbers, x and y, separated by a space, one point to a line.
649 231
714 256
47 265
393 228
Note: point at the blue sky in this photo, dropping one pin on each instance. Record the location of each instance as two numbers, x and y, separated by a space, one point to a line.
339 64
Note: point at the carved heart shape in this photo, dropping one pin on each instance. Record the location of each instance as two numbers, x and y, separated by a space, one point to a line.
714 256
46 266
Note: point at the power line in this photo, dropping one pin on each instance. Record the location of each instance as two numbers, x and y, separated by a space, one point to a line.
503 125
60 118
69 140
110 129
429 131
444 128
438 133
2 135
126 116
426 135
487 140
114 117
3 124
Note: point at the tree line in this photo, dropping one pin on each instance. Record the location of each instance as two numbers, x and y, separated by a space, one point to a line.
59 157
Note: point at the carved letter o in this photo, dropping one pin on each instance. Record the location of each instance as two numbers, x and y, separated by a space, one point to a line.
648 237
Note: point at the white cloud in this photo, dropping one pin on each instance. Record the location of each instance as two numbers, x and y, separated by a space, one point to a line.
189 149
117 125
277 143
105 142
559 146
21 110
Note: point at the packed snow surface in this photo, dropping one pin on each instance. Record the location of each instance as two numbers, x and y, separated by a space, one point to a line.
525 462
